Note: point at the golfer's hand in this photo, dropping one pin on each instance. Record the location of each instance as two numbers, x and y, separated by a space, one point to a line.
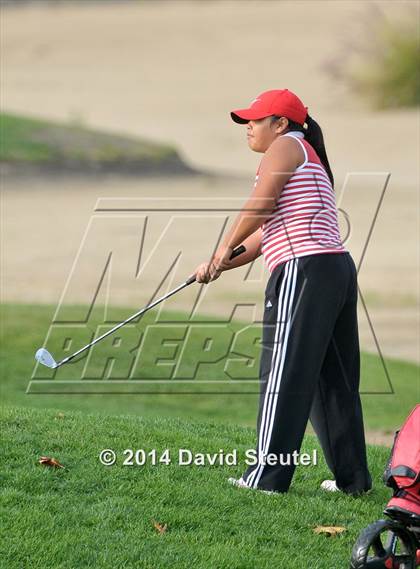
221 260
203 275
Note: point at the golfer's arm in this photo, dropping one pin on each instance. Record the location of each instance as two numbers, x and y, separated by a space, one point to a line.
253 250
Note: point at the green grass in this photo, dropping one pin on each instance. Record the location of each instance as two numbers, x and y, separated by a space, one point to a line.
24 328
89 515
382 64
390 77
28 140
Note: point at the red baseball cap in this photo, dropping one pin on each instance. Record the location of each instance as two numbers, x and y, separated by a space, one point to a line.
281 102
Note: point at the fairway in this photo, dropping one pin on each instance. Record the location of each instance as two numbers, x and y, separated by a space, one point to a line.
385 403
69 517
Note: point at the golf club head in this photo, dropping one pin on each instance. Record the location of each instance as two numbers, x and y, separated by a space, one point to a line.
44 357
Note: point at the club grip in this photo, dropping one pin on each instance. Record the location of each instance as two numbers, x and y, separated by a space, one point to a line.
238 251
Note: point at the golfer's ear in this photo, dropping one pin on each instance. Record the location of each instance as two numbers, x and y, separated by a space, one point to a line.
281 123
279 128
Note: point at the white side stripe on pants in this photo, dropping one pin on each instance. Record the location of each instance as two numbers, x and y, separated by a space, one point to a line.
283 323
279 330
279 364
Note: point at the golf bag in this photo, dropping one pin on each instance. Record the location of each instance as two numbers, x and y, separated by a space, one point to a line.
395 543
402 472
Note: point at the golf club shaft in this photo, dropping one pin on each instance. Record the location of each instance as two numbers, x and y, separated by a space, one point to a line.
238 251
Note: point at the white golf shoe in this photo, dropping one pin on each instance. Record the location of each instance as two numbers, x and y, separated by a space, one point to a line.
240 482
330 486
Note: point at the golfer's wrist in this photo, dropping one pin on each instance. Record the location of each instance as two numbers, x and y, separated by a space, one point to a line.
228 244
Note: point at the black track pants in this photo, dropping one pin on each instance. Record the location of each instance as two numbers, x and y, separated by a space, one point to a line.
310 369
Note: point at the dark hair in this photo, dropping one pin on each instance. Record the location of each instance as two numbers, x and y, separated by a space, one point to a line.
313 134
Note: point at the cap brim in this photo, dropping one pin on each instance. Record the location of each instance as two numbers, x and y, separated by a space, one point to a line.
242 116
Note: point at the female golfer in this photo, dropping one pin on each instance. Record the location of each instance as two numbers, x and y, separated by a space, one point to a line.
310 361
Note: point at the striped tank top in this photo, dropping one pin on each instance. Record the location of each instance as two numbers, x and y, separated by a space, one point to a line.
304 220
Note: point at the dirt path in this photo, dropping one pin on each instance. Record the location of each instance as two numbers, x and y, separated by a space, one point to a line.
44 222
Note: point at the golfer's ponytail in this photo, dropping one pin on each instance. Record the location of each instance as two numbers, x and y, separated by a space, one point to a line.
313 134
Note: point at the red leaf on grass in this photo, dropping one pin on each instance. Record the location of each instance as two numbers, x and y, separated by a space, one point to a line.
329 530
159 527
49 461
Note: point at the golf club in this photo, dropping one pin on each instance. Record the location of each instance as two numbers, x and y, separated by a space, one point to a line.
44 357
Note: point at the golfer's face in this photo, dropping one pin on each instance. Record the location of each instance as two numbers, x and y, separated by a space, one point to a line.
260 134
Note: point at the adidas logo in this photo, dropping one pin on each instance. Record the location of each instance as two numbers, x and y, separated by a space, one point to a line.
269 304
